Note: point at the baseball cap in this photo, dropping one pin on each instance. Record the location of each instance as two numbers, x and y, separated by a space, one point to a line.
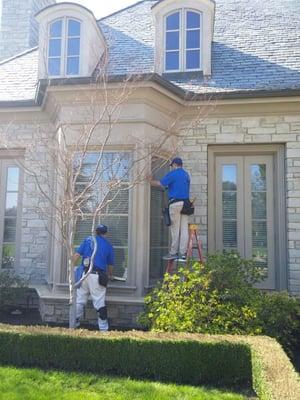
102 229
177 161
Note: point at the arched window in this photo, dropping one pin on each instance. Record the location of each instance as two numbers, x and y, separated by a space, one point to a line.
183 41
64 47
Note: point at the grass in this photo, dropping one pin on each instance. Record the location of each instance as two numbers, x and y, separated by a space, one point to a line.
34 384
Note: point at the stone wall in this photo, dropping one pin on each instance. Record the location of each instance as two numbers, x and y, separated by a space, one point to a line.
19 29
33 262
250 130
120 315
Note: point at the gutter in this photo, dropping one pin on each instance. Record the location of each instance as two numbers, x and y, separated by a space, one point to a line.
152 77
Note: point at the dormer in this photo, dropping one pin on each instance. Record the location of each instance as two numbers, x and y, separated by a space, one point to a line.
183 36
70 41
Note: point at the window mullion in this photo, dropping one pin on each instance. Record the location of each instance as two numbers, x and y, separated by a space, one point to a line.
183 39
64 47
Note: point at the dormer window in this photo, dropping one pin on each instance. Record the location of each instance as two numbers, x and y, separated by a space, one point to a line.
183 41
64 47
183 36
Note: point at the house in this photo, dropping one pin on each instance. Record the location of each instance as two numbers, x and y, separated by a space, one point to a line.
241 59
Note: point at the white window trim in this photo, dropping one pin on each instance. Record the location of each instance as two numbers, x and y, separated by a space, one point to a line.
64 46
182 40
6 163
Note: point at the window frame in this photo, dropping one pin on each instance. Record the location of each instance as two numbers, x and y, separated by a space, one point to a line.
4 165
130 271
182 40
64 47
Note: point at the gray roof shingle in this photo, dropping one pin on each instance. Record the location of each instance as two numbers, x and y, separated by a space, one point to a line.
256 47
19 77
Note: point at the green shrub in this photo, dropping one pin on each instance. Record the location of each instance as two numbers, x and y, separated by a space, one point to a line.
12 288
219 298
218 363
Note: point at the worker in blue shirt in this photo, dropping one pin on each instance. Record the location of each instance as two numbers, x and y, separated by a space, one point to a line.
95 283
177 183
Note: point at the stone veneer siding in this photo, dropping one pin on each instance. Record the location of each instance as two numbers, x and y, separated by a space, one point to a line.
35 249
250 130
120 315
19 29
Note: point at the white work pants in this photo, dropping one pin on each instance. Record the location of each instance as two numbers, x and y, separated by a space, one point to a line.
179 229
91 286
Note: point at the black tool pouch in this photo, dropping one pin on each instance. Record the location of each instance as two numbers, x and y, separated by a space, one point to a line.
188 208
102 278
166 216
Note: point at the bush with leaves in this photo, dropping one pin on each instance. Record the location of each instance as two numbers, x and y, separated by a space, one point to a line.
218 298
12 288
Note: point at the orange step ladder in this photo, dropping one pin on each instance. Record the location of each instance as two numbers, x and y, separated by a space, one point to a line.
193 243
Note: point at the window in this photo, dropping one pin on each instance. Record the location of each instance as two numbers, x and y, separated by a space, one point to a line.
183 41
108 168
64 47
246 189
159 232
10 198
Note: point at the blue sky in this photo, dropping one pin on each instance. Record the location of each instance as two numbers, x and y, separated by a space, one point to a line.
101 8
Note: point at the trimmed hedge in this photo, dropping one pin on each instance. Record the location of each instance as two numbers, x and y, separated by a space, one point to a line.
180 361
218 360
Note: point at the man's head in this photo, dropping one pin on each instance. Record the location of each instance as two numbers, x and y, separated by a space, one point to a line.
101 229
176 162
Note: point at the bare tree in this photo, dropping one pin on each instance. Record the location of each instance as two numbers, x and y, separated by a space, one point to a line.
77 178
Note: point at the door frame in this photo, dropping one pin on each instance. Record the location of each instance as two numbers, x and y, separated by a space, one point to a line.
277 151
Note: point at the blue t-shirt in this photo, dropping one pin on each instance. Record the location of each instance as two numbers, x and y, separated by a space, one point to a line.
178 184
104 255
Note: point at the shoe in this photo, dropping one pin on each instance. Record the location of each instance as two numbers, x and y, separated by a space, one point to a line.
182 258
170 256
103 325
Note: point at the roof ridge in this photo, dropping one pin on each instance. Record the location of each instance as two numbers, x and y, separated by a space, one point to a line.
18 55
123 9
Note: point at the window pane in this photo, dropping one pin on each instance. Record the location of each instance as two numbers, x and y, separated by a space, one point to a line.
116 166
193 59
259 234
173 21
258 177
192 20
172 60
193 39
229 205
259 205
8 255
54 66
159 232
54 47
12 179
73 66
117 201
172 41
56 29
83 229
118 236
9 229
229 234
73 47
11 204
229 177
73 28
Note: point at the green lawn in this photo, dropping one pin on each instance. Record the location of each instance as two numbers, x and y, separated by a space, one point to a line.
34 384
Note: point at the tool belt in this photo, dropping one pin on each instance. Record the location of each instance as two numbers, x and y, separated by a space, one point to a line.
172 201
102 276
